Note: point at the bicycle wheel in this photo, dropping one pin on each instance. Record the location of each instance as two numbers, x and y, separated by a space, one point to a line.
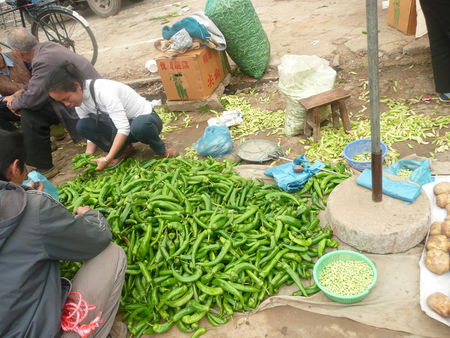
68 28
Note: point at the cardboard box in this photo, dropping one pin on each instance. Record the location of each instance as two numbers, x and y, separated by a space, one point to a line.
194 75
402 15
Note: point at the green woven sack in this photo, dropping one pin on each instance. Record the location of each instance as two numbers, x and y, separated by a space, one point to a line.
247 43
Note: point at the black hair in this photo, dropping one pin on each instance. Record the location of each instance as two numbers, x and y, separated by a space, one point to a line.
63 78
12 148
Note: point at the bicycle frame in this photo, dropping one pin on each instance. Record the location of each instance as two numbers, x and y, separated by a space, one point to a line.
49 20
24 8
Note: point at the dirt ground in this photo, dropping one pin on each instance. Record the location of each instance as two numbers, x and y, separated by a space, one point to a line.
293 26
126 43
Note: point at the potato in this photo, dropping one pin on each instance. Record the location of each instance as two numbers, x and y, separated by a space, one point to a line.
439 303
438 242
442 188
442 200
437 261
445 229
435 228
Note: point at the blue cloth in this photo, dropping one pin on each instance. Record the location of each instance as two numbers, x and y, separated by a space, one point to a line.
192 26
401 190
290 181
421 172
49 188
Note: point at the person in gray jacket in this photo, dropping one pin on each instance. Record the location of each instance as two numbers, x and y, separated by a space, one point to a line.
38 112
35 233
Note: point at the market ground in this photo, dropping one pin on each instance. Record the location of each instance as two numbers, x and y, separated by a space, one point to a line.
293 26
330 29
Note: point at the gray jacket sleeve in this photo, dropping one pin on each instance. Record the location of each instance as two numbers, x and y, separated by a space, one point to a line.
35 94
69 237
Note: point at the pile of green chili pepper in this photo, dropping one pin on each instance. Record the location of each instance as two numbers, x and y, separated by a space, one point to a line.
84 160
202 241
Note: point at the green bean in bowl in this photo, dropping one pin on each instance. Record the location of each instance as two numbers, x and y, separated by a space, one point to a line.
345 276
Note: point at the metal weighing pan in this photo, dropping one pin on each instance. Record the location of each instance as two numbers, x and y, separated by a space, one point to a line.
258 151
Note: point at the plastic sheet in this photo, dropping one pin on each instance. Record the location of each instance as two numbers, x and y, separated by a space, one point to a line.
404 191
421 173
290 181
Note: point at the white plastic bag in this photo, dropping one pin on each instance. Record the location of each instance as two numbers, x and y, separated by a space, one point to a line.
302 76
229 118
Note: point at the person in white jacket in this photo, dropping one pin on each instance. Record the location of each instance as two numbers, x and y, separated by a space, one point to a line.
112 114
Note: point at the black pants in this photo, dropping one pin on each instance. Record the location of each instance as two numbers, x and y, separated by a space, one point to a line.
437 17
36 131
144 128
7 118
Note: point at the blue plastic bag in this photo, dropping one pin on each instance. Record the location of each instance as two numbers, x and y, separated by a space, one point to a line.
404 191
49 188
216 142
290 181
421 173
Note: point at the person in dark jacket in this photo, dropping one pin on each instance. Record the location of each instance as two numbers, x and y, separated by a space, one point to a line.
37 110
437 18
36 232
14 74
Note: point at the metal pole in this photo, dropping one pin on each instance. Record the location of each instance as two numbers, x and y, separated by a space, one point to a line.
372 46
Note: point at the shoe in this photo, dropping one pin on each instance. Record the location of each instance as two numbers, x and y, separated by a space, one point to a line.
170 153
114 163
128 152
48 173
118 330
58 132
444 97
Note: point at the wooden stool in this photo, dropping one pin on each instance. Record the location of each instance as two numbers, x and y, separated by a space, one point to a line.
312 104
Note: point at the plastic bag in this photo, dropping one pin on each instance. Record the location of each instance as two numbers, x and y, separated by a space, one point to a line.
49 188
420 170
290 181
181 40
401 190
247 43
302 76
216 142
229 118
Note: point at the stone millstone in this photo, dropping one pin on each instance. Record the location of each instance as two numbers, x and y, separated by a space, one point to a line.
384 227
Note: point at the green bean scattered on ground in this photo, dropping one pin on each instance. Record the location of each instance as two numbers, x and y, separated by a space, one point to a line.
202 241
255 119
398 124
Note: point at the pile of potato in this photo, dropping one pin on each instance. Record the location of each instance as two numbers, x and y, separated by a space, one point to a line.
438 246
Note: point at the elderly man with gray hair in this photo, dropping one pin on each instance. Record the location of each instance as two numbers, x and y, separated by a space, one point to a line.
32 103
